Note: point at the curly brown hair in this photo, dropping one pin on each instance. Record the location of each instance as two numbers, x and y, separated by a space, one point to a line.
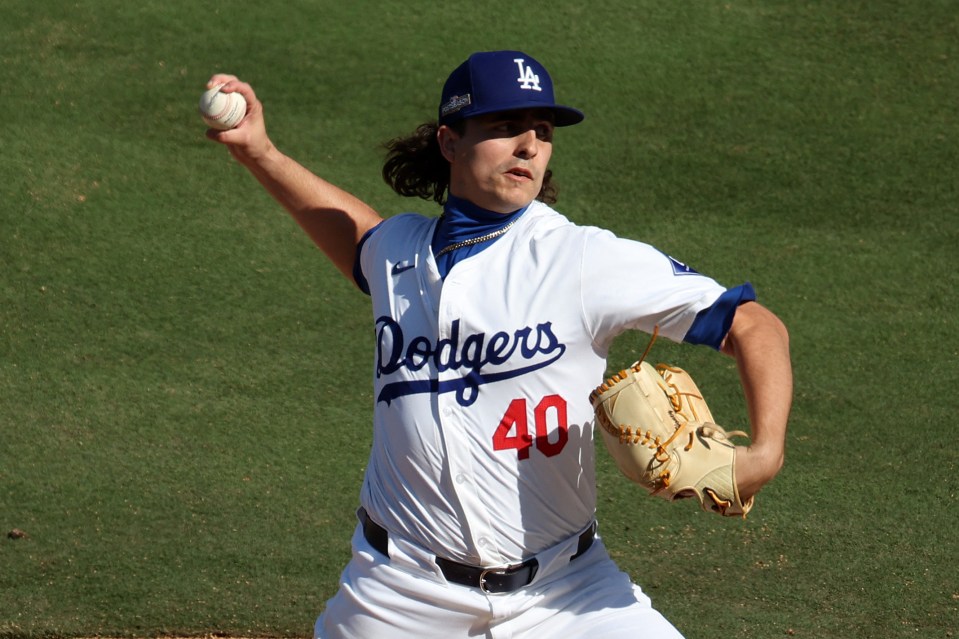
415 166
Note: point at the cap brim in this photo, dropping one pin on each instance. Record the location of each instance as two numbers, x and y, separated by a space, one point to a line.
563 115
567 116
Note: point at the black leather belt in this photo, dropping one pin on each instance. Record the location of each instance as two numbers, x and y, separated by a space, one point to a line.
494 581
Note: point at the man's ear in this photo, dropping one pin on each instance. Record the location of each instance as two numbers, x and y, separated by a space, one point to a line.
447 139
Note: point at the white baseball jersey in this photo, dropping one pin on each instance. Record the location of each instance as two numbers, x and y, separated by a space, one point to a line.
483 446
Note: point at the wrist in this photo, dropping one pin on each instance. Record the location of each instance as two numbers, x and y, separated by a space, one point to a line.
262 155
756 466
767 459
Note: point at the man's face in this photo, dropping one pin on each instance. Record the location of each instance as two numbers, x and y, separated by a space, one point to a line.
500 160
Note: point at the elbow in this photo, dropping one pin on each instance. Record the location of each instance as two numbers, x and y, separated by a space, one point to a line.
780 327
755 322
762 317
779 462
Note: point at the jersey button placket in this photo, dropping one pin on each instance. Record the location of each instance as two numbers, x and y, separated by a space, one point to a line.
457 452
457 445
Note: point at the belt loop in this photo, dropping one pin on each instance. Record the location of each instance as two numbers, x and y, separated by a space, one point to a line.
586 539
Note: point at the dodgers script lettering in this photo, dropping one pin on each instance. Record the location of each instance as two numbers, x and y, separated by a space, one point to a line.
482 358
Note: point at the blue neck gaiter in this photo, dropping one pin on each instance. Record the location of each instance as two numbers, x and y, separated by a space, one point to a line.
462 220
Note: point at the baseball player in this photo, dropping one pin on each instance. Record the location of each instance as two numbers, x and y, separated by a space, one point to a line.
492 323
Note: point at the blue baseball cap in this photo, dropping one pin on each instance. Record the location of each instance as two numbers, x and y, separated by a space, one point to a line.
494 81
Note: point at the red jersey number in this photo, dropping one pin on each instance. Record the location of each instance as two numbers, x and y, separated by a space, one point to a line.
513 430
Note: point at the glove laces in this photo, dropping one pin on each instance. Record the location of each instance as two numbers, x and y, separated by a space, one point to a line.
676 399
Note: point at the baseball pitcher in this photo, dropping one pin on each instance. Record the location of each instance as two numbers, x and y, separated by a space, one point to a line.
492 322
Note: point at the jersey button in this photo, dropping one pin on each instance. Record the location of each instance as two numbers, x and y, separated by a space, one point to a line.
461 478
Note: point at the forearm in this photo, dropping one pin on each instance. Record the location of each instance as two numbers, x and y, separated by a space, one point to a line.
759 342
334 219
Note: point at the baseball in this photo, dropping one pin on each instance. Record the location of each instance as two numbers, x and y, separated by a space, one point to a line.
222 110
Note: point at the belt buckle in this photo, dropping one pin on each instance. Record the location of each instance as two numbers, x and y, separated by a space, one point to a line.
506 572
482 581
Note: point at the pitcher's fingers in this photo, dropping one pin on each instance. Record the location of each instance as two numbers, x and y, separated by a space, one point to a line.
234 85
219 78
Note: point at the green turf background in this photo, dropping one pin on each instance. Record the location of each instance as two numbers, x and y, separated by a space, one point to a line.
184 380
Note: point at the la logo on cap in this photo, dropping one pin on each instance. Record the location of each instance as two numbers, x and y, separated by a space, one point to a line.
499 81
527 79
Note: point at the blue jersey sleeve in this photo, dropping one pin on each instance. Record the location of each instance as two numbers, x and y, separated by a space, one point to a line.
712 324
358 276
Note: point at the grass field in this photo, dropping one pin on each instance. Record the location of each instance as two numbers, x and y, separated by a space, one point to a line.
185 382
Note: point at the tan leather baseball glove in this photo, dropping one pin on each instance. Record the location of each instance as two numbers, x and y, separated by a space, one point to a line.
660 431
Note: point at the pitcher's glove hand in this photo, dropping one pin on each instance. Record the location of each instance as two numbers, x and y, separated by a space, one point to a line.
660 431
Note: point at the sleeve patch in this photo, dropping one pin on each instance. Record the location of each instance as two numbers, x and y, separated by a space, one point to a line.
679 268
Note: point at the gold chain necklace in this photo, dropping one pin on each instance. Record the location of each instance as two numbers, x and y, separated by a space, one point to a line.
475 240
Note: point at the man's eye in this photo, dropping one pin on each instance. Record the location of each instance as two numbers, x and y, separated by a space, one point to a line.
544 132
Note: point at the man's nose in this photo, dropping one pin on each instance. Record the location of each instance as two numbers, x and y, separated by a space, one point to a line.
527 145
